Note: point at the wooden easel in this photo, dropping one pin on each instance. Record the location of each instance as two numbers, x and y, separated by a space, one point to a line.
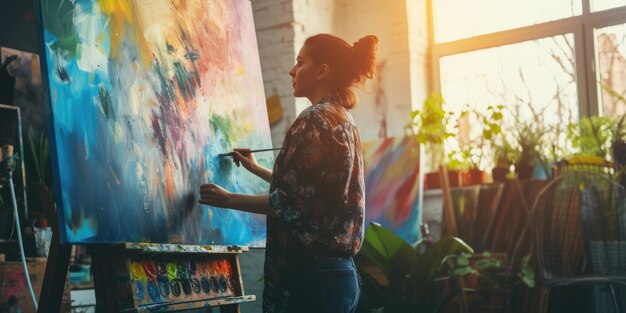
115 286
55 275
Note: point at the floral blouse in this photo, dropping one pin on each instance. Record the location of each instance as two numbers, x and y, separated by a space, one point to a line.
318 196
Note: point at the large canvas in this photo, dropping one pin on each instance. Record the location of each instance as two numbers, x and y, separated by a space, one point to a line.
391 185
145 95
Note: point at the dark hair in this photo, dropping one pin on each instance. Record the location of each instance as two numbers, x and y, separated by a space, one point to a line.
350 65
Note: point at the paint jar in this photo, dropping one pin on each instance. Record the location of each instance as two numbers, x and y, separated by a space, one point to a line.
7 152
43 237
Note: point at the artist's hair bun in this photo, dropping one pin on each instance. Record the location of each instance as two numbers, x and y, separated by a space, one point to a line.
351 65
365 57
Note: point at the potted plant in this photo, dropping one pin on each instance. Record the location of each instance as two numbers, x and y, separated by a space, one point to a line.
430 126
457 164
476 152
529 141
599 141
40 189
408 279
398 277
592 136
504 155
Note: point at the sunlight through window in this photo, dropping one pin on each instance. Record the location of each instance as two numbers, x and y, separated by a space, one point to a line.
599 5
534 80
458 19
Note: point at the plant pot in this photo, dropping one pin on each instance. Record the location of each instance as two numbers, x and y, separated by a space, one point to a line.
432 181
524 172
474 177
499 174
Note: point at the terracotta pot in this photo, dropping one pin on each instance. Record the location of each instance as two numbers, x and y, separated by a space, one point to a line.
499 174
432 181
524 172
474 177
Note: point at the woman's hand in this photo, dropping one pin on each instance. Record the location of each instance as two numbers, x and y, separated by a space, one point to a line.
245 158
214 195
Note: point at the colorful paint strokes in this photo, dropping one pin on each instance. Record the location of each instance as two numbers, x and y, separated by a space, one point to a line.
391 185
144 95
188 279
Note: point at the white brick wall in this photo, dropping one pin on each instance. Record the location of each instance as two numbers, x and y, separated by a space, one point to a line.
274 24
311 17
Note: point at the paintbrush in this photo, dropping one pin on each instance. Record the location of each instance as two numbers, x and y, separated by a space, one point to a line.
246 151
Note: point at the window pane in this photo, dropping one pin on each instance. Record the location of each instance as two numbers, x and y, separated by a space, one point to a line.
457 19
534 80
599 5
611 52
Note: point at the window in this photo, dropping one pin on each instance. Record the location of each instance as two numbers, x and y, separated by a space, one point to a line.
599 5
458 19
534 80
611 74
546 62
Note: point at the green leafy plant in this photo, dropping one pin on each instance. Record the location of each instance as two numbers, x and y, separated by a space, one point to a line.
457 161
492 134
504 154
529 141
492 121
411 276
618 145
477 151
41 156
592 136
430 125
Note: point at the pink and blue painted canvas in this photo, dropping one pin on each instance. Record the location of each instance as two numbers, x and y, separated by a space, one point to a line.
145 95
391 185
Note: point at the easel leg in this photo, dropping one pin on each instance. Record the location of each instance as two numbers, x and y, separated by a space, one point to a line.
103 282
54 278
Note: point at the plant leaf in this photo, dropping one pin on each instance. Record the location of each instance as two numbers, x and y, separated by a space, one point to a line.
380 246
427 265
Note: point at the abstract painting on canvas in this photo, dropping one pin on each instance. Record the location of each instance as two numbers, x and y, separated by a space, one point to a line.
145 95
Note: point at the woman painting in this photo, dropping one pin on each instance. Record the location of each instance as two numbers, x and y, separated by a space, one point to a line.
315 206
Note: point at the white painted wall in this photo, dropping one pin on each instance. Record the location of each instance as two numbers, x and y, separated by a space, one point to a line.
388 21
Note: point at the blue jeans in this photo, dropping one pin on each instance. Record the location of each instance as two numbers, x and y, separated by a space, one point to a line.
326 285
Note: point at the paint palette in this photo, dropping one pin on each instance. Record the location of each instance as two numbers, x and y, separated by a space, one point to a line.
157 280
170 280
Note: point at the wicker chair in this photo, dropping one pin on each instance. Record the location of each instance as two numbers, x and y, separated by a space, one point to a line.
579 226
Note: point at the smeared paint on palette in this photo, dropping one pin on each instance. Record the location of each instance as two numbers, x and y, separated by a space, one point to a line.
144 95
158 280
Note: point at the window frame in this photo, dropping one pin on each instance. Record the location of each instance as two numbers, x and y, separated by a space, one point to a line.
580 26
